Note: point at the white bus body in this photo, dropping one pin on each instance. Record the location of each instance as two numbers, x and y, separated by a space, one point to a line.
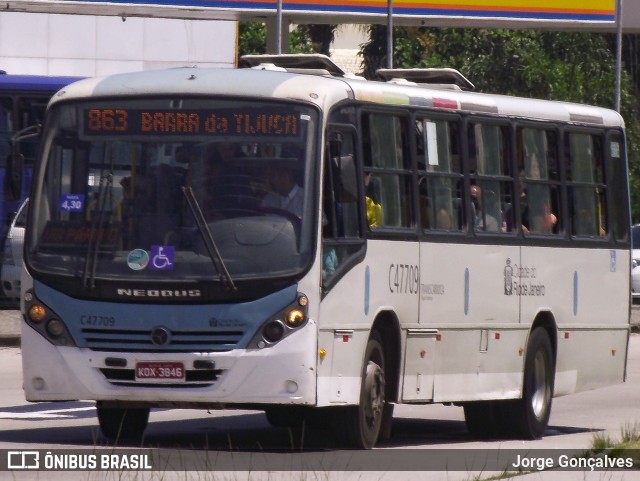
455 312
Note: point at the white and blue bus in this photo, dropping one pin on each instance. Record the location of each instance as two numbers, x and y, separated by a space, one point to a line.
323 247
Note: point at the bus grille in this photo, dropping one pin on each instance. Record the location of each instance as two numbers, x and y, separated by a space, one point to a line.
129 340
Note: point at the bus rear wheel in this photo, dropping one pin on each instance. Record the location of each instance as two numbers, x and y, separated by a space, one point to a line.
360 426
123 425
528 417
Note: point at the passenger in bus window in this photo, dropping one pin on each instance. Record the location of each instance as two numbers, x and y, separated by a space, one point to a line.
475 203
540 220
374 209
443 219
329 262
484 207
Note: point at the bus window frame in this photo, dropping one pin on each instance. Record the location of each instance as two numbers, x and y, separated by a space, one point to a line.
567 130
422 116
562 219
625 240
408 171
512 180
359 243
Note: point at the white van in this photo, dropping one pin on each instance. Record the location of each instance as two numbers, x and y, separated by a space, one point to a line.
12 256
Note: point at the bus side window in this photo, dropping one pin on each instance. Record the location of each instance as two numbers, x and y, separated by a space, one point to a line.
616 177
440 194
587 191
6 126
539 193
491 188
387 171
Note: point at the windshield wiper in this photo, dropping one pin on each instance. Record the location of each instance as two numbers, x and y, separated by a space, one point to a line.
95 234
209 243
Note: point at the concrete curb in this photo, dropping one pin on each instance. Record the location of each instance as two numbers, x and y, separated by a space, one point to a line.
9 341
10 326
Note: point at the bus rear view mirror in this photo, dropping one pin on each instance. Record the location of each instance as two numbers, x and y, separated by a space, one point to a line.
334 143
15 164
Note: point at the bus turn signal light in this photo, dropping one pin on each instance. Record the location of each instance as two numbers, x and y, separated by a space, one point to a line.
37 313
294 318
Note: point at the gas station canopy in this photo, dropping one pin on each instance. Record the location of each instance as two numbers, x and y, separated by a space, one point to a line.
549 14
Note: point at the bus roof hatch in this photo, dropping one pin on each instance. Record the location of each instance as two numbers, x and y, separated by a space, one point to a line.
442 76
313 64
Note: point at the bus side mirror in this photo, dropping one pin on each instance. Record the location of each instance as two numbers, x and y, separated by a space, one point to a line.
334 144
15 164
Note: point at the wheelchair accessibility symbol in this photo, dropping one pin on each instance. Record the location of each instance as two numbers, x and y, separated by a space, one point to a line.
162 258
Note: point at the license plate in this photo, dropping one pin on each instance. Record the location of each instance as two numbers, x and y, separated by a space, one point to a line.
160 371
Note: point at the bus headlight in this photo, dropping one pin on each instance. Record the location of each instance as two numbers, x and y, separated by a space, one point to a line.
290 319
46 322
55 328
273 331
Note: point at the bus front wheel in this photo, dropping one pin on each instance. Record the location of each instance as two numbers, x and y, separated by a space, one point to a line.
122 424
360 426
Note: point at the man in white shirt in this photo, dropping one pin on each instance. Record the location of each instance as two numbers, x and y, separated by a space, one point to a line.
286 194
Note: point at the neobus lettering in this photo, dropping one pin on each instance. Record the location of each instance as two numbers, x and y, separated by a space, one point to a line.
159 293
404 279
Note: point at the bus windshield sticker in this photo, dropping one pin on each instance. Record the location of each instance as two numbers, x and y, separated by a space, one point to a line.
138 259
162 258
269 122
432 143
71 203
615 150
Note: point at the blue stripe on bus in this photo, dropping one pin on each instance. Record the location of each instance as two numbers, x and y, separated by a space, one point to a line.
575 293
466 291
367 284
34 83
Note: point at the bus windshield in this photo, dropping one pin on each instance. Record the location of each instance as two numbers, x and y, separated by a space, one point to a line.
193 190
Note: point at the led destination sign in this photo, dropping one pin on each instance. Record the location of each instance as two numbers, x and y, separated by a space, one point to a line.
241 122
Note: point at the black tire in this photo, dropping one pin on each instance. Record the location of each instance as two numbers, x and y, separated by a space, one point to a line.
483 419
360 426
527 418
123 425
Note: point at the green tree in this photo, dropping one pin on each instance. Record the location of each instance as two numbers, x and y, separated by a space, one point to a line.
252 38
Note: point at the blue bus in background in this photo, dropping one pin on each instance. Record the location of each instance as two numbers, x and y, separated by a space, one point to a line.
23 101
